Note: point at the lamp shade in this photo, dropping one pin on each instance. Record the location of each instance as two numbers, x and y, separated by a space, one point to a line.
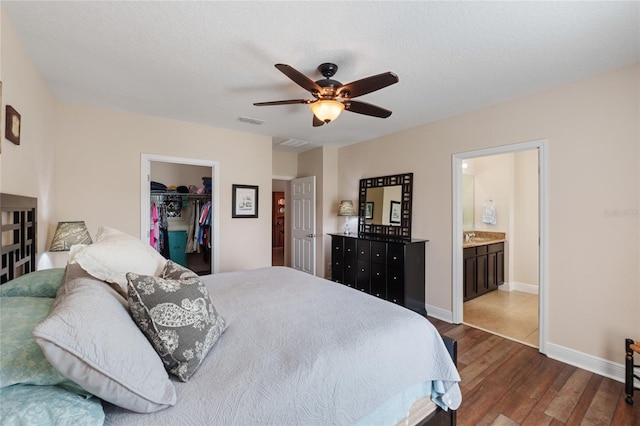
346 208
68 234
326 110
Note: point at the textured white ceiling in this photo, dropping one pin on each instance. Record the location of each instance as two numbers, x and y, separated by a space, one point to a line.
207 62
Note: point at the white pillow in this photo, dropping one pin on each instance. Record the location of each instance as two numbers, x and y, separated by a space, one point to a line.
90 338
114 254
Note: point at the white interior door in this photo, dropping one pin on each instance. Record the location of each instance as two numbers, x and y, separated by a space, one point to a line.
303 234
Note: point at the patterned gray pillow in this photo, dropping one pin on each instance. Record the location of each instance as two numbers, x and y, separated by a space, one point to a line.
176 314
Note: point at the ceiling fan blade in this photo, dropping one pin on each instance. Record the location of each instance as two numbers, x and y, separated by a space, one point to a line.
299 78
289 102
317 122
367 85
366 109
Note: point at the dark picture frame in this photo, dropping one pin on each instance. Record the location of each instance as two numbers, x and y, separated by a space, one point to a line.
12 125
244 200
368 210
395 213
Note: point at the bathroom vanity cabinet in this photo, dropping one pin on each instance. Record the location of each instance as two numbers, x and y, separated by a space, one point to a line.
483 269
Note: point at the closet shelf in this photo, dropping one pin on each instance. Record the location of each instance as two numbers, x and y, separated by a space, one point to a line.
179 194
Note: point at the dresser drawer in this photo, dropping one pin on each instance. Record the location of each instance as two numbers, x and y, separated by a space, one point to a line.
363 276
349 249
364 249
378 252
350 271
378 280
395 255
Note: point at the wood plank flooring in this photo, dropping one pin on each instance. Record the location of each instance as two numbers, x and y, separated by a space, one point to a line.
508 383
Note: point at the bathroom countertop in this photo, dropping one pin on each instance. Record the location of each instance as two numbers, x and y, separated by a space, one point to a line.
482 238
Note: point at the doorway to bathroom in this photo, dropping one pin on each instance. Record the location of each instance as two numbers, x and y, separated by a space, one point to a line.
499 238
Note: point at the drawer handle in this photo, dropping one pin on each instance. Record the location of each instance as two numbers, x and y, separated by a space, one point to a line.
395 257
378 274
362 270
362 252
378 294
377 254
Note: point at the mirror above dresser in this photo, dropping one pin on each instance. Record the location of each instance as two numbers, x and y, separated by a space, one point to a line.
385 206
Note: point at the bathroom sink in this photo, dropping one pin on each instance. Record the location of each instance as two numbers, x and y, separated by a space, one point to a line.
481 238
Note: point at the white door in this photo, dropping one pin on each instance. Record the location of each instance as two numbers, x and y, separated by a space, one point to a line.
303 235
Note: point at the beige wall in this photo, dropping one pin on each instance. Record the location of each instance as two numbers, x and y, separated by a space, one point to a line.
524 245
593 137
285 164
98 173
493 181
330 204
29 168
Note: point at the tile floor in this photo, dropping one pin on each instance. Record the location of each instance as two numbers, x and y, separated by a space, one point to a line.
510 314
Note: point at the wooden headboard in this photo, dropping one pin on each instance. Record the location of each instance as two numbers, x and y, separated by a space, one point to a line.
19 241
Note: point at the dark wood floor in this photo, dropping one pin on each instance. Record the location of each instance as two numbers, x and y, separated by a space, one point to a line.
507 383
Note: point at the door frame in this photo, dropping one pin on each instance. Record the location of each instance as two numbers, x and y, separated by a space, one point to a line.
543 229
145 198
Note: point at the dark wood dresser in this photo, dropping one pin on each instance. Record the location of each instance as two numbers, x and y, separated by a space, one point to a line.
389 268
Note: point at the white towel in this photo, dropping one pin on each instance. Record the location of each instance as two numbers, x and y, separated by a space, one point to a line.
489 212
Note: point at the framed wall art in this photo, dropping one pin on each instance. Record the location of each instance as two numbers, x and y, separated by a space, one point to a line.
12 125
244 201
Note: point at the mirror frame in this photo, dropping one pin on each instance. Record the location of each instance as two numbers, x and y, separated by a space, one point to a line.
404 230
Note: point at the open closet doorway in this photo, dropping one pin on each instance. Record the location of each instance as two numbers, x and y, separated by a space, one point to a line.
179 210
499 241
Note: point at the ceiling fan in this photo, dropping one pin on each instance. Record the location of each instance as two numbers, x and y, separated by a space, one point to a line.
332 97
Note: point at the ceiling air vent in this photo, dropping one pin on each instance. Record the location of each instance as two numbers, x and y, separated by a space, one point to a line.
293 143
250 120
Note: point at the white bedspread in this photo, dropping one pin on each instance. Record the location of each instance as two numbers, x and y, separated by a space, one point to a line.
302 350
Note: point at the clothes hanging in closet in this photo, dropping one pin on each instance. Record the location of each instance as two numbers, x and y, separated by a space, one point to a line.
204 235
158 234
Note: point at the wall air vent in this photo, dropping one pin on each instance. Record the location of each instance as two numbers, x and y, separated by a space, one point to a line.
293 143
250 120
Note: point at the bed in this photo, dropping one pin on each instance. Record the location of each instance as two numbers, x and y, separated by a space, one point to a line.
284 347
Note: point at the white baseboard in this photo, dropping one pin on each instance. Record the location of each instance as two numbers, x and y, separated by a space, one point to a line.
525 288
603 367
600 366
439 313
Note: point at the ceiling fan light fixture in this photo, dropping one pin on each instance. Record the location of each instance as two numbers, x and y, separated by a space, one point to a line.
326 110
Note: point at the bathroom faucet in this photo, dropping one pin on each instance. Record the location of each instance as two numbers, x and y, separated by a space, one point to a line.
469 235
